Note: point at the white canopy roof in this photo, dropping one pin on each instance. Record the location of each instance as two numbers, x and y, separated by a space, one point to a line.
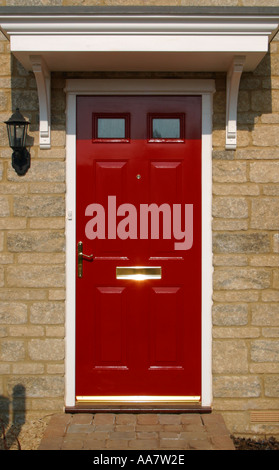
202 39
139 38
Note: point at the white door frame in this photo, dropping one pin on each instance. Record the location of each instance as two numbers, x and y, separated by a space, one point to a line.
204 88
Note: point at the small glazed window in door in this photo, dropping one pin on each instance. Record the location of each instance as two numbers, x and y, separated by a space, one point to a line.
166 128
111 128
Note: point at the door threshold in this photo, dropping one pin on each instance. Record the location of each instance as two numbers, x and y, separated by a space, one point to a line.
138 408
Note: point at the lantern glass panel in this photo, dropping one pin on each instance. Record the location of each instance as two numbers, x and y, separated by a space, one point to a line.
17 135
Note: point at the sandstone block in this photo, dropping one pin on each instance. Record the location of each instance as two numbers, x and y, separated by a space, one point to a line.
270 296
271 386
244 189
265 350
230 260
51 223
12 350
43 171
264 172
264 260
230 314
241 243
230 207
26 99
265 314
265 136
47 313
4 206
5 64
257 154
39 206
38 241
27 368
271 189
236 332
55 331
37 387
241 278
223 154
230 224
44 188
13 312
276 242
43 258
26 331
230 172
230 357
10 223
32 276
237 386
265 213
261 100
46 349
1 276
236 296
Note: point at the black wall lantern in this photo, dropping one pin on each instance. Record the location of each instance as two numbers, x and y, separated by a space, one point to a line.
17 131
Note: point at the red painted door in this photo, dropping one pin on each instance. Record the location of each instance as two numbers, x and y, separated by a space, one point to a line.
138 192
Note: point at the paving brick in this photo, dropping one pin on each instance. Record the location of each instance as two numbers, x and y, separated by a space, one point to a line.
148 419
51 444
80 428
173 444
147 444
125 427
191 419
104 418
72 444
222 442
117 444
147 435
170 419
93 444
148 427
82 418
126 419
173 427
122 435
200 444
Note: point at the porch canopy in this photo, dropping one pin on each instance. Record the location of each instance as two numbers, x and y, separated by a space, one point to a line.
190 39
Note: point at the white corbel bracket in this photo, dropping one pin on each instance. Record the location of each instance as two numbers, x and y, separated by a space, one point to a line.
233 79
42 76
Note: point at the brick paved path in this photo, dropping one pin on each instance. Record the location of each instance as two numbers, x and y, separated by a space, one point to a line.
107 431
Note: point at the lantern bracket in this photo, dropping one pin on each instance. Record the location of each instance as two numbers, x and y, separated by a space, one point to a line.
42 76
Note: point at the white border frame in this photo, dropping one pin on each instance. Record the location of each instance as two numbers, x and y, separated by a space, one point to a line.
204 88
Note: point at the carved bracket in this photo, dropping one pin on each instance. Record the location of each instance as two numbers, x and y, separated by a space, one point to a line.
42 76
233 79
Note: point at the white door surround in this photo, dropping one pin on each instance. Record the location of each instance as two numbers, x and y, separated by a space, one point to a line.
204 88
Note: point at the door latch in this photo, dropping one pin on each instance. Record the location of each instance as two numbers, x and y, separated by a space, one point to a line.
80 258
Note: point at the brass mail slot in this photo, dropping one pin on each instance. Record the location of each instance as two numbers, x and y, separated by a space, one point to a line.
139 273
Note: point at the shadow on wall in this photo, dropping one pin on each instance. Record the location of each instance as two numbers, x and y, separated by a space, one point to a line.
254 97
15 408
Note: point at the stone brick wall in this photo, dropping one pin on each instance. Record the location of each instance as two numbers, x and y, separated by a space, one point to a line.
246 255
32 256
245 244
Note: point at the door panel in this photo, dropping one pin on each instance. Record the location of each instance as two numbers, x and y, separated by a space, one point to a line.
138 338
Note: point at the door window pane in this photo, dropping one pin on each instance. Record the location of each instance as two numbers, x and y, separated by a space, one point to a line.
111 128
166 128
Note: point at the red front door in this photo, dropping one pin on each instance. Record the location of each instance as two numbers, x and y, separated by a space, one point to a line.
138 330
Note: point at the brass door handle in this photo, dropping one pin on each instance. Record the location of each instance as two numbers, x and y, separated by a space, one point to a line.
80 258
